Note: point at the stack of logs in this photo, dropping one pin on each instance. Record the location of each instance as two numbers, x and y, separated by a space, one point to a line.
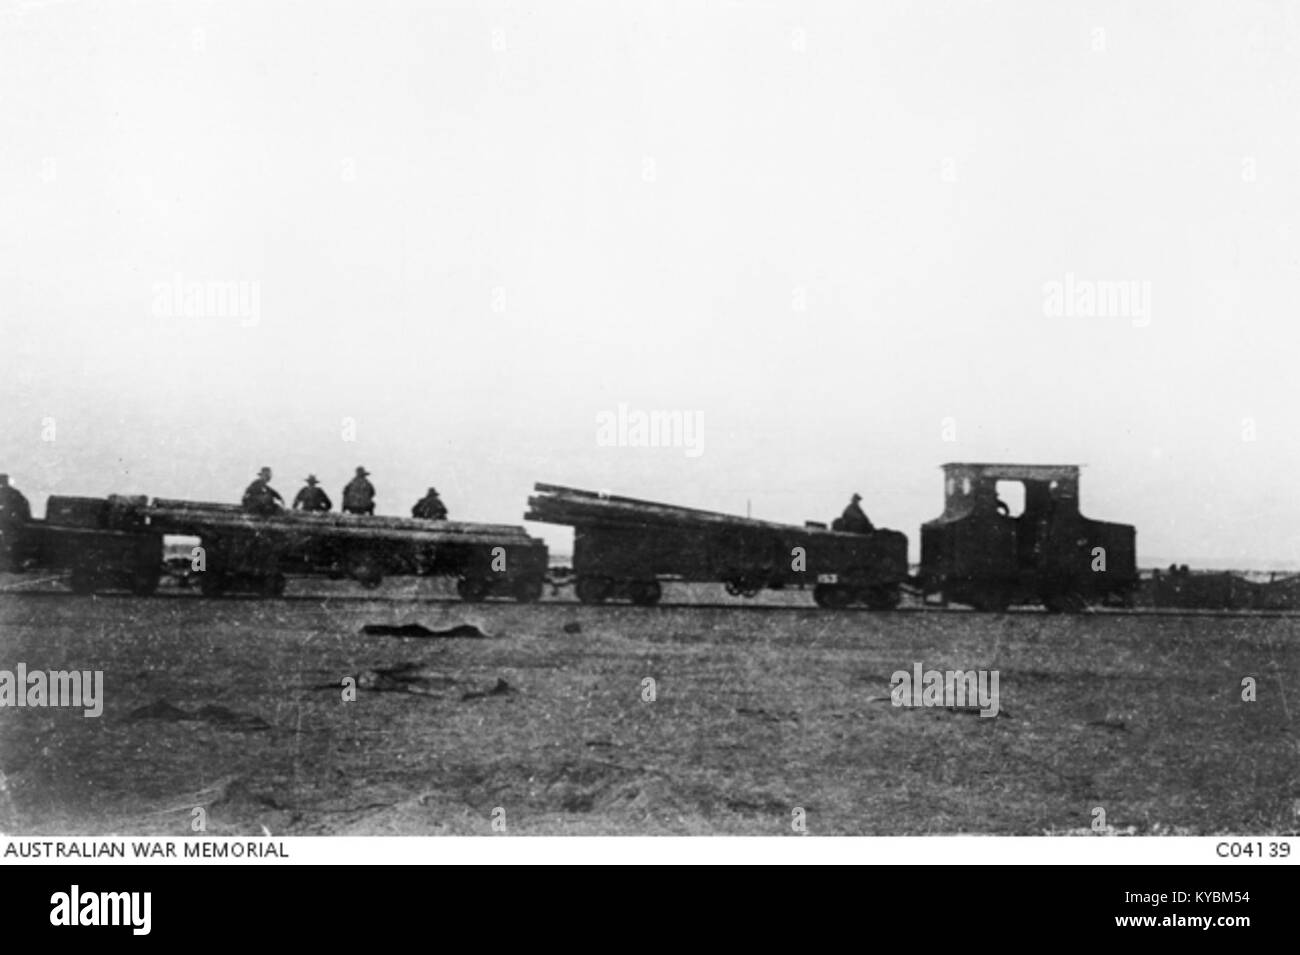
197 517
555 504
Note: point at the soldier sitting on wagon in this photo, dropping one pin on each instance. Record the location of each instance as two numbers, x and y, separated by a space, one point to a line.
359 494
430 507
15 512
260 497
854 520
312 498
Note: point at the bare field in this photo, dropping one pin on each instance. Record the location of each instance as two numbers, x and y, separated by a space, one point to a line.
236 707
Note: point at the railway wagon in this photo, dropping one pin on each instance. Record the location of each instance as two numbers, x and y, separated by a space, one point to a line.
250 552
979 553
101 543
1181 588
624 547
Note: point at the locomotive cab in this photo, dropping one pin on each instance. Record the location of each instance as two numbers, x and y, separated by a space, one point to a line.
984 552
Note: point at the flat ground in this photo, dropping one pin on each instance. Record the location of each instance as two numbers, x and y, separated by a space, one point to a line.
236 706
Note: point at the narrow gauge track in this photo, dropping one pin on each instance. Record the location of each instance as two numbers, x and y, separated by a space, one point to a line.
324 600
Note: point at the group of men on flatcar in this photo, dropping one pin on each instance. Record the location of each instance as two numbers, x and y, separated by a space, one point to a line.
358 498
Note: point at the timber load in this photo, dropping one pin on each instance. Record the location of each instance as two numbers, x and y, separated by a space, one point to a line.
192 517
556 504
254 552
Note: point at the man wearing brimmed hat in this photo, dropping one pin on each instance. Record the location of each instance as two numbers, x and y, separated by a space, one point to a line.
359 495
854 520
312 498
260 497
430 507
15 512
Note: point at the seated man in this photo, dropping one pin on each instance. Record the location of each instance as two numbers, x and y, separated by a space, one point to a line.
312 498
854 520
260 497
430 507
359 494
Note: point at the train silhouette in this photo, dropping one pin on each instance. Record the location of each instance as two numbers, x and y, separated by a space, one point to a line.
975 553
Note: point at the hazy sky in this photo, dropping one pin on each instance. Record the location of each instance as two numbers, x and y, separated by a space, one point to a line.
829 230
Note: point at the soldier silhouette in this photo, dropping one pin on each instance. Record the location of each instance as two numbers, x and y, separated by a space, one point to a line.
359 495
430 507
854 520
260 497
312 497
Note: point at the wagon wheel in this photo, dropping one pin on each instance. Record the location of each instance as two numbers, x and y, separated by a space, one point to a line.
212 583
1065 601
743 586
593 590
644 593
831 596
1126 599
366 571
273 585
528 590
472 589
883 597
993 600
144 582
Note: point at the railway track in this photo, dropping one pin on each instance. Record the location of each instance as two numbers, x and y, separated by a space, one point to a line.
324 600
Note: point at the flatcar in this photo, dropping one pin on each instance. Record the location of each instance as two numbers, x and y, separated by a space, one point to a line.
624 548
117 543
250 552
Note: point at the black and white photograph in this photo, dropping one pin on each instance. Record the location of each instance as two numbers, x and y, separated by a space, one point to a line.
460 422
